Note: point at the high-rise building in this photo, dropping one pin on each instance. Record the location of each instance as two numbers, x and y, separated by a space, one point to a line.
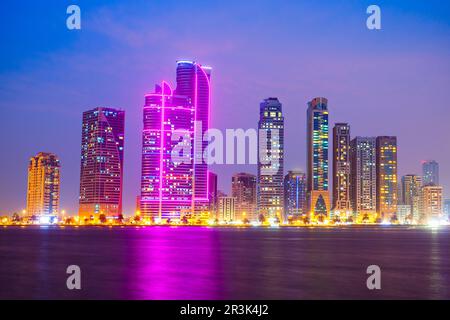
193 81
431 204
317 159
243 187
213 196
430 173
167 179
387 182
341 170
447 208
171 188
227 209
43 185
363 186
295 205
410 191
101 173
270 159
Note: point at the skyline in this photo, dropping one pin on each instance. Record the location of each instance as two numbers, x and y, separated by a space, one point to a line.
348 83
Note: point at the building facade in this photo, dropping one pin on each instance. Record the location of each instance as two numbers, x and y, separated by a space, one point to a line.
213 196
270 159
430 173
227 209
101 173
193 81
43 190
243 189
447 208
431 204
342 207
387 182
167 181
410 192
317 159
295 206
363 178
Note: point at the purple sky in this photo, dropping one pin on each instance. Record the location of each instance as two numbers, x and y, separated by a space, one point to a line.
389 82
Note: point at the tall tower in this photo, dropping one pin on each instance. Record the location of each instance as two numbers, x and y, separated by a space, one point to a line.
387 177
317 153
43 185
364 178
295 195
341 170
411 186
243 189
270 159
101 173
430 173
193 81
167 178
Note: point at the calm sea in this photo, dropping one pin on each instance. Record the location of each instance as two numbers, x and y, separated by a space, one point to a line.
224 263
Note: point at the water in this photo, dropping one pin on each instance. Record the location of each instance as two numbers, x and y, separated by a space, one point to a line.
224 263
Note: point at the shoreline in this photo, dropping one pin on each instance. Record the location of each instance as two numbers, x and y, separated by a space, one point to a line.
225 226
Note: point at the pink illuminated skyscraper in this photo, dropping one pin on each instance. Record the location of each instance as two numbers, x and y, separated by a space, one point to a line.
166 183
193 81
171 187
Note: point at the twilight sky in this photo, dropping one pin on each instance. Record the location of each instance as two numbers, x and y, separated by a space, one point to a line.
389 82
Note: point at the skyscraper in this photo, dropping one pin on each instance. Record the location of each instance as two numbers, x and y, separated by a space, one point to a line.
411 186
317 159
363 187
341 170
177 120
295 205
167 178
431 204
270 159
243 189
193 81
430 173
101 173
43 185
386 177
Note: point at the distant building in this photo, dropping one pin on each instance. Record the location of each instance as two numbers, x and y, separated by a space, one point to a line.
430 173
387 177
138 205
317 159
363 185
410 191
101 173
270 159
403 213
227 206
295 205
43 191
447 208
213 196
431 203
243 187
342 207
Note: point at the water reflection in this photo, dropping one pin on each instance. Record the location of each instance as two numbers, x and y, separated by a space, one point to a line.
174 263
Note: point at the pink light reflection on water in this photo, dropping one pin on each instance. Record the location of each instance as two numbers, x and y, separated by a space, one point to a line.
173 263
